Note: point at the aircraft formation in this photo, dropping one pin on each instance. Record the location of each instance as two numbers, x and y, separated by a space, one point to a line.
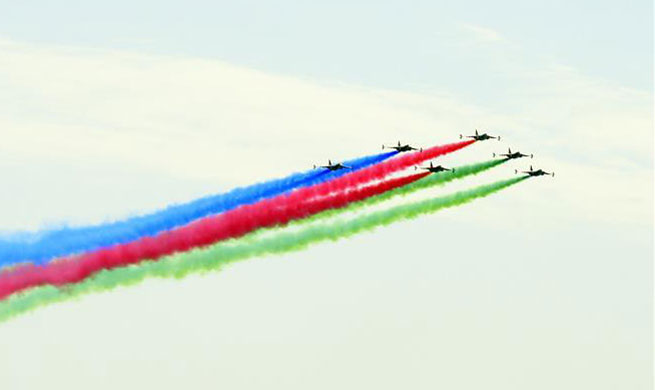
212 230
401 148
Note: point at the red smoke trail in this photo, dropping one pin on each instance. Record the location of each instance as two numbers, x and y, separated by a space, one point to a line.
379 171
234 223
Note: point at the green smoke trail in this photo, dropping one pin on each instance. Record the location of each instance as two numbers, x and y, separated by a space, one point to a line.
427 182
217 256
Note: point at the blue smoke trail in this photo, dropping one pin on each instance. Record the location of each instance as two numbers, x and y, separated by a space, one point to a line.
46 245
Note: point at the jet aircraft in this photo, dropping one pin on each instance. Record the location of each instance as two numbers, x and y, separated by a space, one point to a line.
333 167
402 148
436 169
538 172
480 137
509 155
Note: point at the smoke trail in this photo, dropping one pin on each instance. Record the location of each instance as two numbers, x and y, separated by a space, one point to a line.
43 246
217 256
234 223
432 180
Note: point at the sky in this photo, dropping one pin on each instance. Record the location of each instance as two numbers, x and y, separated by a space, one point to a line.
116 109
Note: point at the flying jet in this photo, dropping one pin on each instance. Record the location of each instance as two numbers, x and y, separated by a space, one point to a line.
480 137
509 155
436 169
402 148
333 167
538 172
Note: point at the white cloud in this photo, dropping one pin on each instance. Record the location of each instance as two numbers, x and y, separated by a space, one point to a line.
205 120
483 34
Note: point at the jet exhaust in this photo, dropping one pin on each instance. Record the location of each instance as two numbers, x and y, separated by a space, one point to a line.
231 224
46 245
215 257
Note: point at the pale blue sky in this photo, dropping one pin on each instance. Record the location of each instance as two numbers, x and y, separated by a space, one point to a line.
395 44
